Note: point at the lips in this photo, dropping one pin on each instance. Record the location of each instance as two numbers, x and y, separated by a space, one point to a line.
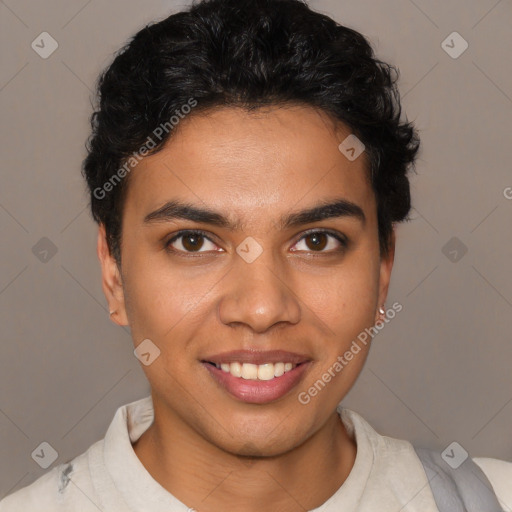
246 374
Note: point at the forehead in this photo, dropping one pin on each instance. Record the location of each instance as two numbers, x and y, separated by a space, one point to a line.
245 162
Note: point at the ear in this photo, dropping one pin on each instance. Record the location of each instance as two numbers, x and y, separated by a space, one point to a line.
111 280
386 265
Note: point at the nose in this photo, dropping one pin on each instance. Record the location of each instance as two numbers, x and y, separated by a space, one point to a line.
258 296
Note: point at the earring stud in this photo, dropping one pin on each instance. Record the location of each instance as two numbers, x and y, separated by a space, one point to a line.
382 310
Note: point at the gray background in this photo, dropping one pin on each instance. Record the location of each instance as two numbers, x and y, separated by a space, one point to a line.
439 372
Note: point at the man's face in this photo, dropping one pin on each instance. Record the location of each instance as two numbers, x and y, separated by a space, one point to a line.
256 283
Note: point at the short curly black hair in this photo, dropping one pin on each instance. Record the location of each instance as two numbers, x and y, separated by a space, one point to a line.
250 54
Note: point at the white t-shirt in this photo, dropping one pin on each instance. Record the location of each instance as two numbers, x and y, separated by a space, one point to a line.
387 475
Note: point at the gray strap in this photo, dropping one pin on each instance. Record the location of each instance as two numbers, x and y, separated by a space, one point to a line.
465 489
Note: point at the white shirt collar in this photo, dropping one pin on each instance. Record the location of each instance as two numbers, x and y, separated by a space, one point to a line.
135 484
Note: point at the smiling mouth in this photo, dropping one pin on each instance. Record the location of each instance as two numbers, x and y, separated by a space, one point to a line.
257 377
249 371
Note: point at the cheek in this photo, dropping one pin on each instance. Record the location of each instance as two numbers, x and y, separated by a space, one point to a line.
345 299
159 296
345 303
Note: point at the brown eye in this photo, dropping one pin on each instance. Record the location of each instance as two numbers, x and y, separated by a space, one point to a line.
317 241
190 242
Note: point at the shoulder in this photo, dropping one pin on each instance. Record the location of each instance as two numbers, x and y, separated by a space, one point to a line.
66 487
499 473
407 459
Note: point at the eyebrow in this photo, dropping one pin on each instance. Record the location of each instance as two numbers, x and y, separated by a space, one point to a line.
175 209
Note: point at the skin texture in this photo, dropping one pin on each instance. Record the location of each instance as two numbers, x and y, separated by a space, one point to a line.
211 450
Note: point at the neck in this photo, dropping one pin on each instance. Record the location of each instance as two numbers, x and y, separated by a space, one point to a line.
207 478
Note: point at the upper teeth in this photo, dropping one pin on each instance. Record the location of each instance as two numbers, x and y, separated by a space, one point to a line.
250 371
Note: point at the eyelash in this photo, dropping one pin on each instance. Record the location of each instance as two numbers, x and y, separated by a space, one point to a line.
340 238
